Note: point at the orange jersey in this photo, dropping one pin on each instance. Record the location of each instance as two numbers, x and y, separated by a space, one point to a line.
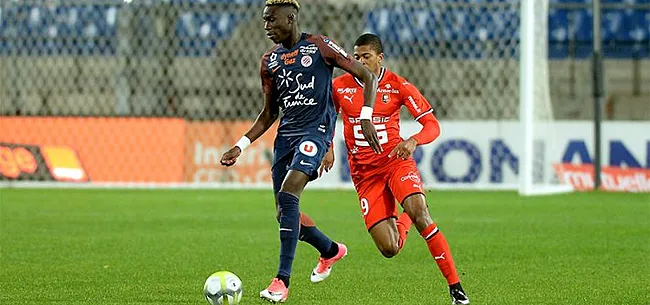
393 92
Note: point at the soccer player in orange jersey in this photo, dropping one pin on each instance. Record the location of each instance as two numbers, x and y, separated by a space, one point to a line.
381 179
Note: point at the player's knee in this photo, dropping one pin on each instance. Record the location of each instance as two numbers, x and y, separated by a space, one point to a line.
416 207
389 250
291 188
294 183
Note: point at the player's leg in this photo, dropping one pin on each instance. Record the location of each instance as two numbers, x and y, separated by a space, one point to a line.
308 231
298 173
310 234
403 223
379 212
308 156
287 199
278 290
407 187
384 234
416 207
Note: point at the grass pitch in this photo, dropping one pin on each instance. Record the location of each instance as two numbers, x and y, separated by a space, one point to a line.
158 246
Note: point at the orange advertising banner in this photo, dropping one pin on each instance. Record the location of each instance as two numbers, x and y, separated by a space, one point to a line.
616 179
207 141
108 149
22 162
40 163
64 163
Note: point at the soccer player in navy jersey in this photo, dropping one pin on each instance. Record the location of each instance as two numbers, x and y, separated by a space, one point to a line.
297 78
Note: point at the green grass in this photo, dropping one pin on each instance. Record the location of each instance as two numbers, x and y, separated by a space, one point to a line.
158 246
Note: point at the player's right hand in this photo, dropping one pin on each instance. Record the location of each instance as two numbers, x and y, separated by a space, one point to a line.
370 134
230 157
327 163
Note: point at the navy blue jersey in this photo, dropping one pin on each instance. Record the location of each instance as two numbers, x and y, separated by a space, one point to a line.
299 80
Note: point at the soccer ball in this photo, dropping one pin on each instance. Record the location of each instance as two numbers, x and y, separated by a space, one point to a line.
223 288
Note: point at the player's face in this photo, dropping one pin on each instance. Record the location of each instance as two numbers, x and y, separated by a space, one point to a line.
368 56
277 22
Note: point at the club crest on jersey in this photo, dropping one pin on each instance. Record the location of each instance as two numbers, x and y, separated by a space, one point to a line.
308 148
335 47
306 61
384 98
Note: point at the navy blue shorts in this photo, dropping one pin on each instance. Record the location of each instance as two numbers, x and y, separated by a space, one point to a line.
301 153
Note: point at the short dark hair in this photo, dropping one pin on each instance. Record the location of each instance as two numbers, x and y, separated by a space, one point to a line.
369 39
293 3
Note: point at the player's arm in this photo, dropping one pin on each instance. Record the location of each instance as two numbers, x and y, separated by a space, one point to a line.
421 110
328 159
263 122
370 82
335 55
430 130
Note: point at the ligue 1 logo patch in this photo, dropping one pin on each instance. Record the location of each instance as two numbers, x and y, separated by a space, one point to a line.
306 61
308 148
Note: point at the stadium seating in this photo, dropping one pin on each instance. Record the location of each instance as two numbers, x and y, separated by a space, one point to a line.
65 59
93 29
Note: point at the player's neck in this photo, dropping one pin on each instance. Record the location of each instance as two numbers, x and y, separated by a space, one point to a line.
377 71
292 39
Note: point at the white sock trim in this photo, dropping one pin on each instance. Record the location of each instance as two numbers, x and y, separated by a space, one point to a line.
435 230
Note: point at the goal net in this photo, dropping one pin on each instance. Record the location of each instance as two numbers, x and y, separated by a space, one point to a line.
138 93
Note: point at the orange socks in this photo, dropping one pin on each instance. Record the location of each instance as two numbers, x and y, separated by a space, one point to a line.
439 249
403 224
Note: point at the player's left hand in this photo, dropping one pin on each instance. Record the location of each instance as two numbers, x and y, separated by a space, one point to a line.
370 134
327 163
405 149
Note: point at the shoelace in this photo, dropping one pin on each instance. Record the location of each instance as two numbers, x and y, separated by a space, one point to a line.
276 285
322 265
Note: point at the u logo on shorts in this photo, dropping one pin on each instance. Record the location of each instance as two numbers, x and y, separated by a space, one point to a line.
308 148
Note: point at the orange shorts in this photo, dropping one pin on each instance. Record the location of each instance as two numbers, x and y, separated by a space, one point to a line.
380 187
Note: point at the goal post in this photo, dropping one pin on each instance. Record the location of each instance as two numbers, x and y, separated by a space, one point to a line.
539 141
